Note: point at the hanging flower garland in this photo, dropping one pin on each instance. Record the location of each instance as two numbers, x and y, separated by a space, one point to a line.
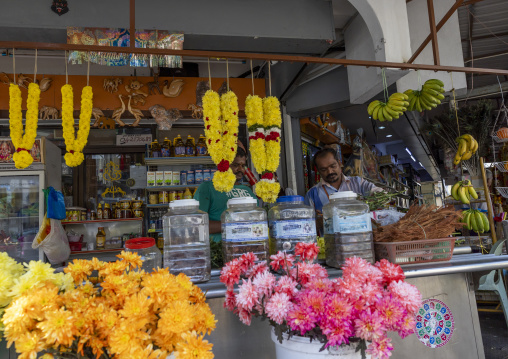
221 130
23 143
264 122
74 145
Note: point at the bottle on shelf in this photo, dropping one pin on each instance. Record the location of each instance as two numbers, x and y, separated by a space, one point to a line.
155 149
106 212
190 148
179 147
187 194
201 148
166 148
99 211
100 238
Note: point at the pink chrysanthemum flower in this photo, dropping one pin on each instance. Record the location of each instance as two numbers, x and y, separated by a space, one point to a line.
321 284
301 318
338 334
278 307
369 325
407 325
407 294
380 348
314 301
337 309
371 293
282 261
247 296
264 283
391 311
256 269
304 272
349 288
245 316
307 251
286 285
230 300
230 273
357 269
246 261
391 272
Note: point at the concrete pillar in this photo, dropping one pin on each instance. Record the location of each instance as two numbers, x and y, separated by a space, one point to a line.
449 41
380 33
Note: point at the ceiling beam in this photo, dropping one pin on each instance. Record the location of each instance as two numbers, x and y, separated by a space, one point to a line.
486 56
483 37
433 31
438 27
246 55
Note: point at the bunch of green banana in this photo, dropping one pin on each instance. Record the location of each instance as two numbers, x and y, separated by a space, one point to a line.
475 220
463 191
391 110
467 147
428 97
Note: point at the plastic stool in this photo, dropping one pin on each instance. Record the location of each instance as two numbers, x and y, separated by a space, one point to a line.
488 282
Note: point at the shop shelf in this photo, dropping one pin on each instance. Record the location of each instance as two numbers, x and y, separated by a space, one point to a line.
160 205
502 166
503 191
103 221
499 140
169 188
174 161
98 251
18 217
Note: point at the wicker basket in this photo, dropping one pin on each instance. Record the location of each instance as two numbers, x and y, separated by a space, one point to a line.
412 252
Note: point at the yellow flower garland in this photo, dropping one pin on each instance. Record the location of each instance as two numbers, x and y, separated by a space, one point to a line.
264 122
23 143
220 115
74 145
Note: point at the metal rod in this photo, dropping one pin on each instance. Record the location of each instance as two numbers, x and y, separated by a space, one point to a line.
245 55
433 31
489 202
132 23
438 27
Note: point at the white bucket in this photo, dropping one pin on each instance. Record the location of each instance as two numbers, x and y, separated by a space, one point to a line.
302 348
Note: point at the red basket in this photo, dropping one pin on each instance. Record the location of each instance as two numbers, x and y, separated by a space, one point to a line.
412 252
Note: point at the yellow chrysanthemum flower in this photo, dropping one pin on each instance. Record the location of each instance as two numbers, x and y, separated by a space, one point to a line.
29 344
131 258
58 327
177 318
80 269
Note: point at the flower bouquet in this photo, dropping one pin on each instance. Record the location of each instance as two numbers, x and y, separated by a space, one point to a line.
129 314
362 306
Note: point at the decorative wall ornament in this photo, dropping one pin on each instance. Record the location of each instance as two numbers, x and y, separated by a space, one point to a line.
134 90
111 85
119 111
47 113
201 88
45 83
174 89
163 118
112 173
24 81
60 7
137 113
154 85
197 111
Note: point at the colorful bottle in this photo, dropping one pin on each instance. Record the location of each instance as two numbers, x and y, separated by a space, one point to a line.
190 148
106 212
99 211
201 148
100 238
179 147
155 149
166 148
187 194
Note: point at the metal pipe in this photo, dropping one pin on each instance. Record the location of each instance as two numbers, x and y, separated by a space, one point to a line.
244 55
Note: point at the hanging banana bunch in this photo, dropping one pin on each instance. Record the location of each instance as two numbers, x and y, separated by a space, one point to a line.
463 191
474 220
391 110
428 97
467 147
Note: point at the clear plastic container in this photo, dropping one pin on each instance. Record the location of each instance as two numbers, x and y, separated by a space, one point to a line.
244 229
348 229
291 221
147 250
186 243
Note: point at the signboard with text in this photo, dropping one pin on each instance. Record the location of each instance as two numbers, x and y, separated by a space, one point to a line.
133 140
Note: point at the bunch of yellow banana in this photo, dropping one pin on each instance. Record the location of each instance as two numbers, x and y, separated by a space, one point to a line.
467 147
391 110
428 97
475 220
463 191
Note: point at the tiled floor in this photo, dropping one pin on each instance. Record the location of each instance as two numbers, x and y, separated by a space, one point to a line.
494 335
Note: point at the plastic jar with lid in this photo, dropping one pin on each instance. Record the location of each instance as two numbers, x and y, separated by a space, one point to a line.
244 229
348 229
147 250
291 221
186 243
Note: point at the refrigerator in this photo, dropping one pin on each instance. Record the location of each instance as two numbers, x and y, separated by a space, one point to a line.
22 206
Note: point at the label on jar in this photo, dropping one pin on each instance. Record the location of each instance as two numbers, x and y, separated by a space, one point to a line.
201 150
180 151
165 152
293 228
189 151
349 224
242 232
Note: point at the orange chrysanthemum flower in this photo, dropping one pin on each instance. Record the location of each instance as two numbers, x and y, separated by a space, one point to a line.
80 269
29 344
194 347
58 328
177 317
131 258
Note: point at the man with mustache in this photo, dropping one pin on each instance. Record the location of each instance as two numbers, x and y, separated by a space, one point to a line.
214 202
333 180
